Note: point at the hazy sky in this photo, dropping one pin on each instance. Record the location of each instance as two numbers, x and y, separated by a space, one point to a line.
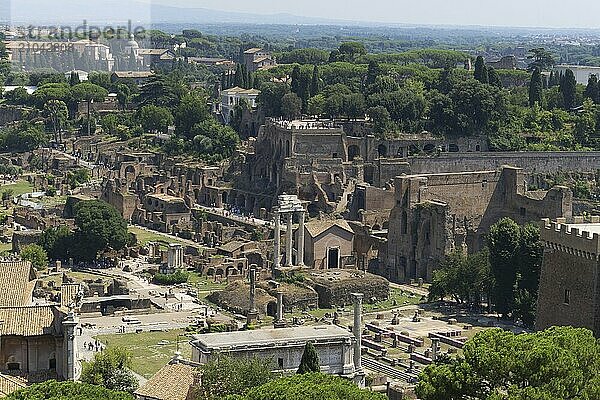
535 13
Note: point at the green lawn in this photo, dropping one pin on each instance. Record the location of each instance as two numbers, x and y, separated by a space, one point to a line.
148 356
144 236
401 299
204 284
18 188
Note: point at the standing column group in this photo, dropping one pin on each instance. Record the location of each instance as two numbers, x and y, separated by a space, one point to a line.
289 239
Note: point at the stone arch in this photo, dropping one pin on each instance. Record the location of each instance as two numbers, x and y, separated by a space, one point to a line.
210 272
382 150
130 169
288 148
353 152
224 197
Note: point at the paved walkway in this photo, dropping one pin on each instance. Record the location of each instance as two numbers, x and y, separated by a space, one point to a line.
409 288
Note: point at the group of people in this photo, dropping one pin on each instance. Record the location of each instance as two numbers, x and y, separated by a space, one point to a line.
93 346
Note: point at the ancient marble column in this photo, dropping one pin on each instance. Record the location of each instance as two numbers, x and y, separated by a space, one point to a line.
70 324
288 241
252 311
279 306
357 330
277 247
300 258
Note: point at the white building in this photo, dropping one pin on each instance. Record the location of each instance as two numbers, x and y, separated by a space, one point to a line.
284 346
232 97
582 72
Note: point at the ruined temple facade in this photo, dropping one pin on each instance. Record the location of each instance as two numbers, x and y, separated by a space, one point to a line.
435 214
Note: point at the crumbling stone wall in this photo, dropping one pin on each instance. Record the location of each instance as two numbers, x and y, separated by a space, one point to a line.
437 213
336 288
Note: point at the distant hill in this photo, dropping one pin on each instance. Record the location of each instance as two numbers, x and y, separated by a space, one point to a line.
39 12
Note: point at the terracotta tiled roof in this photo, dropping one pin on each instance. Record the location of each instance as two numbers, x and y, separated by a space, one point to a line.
318 227
30 321
172 382
15 283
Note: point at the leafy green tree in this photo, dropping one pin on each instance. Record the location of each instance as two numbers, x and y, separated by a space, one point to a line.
535 88
78 177
351 50
568 89
586 123
354 106
191 111
592 89
310 386
110 123
67 391
504 242
74 78
481 73
123 95
22 138
52 91
270 98
213 140
18 96
225 376
291 106
155 119
493 77
36 255
111 369
541 59
99 226
296 80
381 119
316 105
310 360
559 363
88 93
56 111
406 106
466 278
315 82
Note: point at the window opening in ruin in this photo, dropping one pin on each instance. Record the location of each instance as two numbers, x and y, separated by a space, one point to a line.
523 211
280 363
567 296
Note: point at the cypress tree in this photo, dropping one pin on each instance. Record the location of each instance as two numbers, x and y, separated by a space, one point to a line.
372 73
535 88
591 90
296 77
481 73
568 87
239 76
310 360
74 79
314 84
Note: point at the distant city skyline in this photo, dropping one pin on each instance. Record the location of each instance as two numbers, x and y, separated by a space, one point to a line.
517 13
